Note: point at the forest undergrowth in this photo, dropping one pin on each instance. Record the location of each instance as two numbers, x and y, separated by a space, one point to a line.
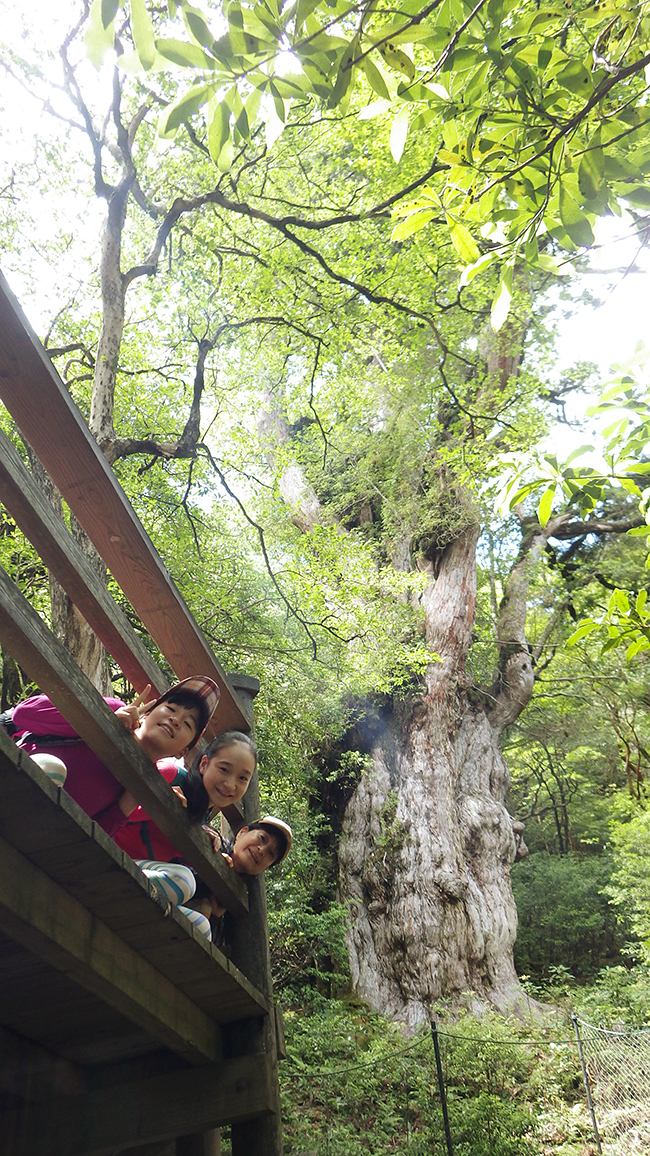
353 1083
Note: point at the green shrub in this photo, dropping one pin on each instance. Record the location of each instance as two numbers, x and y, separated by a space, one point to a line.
565 917
354 1084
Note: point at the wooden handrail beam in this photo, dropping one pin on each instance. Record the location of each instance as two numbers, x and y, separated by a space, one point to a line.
65 559
32 390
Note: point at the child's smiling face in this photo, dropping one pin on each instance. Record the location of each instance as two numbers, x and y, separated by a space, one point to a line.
254 851
227 774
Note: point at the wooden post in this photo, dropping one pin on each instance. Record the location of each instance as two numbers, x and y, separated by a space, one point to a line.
203 1144
250 947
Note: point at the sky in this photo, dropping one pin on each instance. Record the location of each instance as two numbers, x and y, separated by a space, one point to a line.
608 334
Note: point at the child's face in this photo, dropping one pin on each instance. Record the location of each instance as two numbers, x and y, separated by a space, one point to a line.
227 775
167 731
254 851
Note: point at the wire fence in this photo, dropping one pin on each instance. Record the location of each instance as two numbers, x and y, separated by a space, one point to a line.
462 1094
617 1078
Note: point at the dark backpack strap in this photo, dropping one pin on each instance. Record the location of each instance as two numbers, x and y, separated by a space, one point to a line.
47 740
144 835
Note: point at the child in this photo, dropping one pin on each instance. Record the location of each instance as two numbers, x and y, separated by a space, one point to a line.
220 777
166 729
256 848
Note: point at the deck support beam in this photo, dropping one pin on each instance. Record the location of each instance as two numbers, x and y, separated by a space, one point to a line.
143 1112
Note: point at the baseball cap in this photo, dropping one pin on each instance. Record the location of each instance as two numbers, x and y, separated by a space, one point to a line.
207 694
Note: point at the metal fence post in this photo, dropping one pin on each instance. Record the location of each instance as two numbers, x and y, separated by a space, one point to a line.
441 1085
585 1078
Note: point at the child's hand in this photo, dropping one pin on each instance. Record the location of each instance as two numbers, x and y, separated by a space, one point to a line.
228 859
127 803
179 795
131 716
214 837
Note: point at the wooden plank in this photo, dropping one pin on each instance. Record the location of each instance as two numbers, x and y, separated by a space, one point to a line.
65 559
140 1111
30 387
38 913
36 649
46 1006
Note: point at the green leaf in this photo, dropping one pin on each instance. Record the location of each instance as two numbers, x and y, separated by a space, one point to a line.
412 224
574 220
226 156
374 78
183 108
375 109
278 101
641 599
577 454
548 264
98 39
634 647
591 173
575 78
546 505
143 33
583 630
448 158
186 54
463 241
472 271
218 127
620 600
197 27
502 300
398 61
252 105
638 532
639 197
109 11
398 134
304 9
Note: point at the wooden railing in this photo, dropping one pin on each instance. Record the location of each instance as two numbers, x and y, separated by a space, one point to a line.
48 420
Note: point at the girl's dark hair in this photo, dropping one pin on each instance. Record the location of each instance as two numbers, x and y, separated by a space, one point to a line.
198 801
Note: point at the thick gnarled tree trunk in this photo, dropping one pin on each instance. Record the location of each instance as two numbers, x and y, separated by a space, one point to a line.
427 842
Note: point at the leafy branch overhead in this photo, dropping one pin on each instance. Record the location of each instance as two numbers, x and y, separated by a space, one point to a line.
537 116
584 489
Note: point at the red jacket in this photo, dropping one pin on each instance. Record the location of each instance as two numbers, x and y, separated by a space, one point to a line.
140 837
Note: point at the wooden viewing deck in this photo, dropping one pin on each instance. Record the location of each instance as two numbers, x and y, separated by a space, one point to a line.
122 1029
